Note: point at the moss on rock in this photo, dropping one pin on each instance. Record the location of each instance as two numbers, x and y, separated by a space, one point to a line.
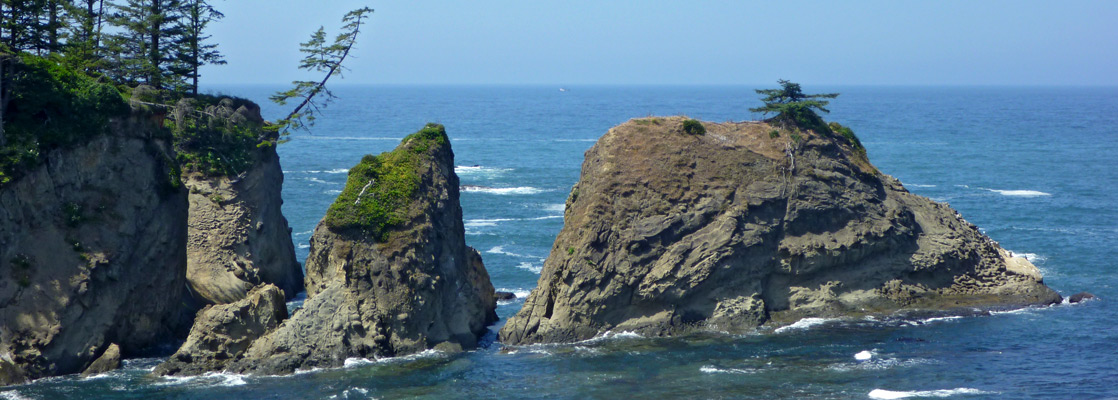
380 189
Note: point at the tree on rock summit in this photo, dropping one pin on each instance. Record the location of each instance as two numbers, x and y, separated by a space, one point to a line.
794 107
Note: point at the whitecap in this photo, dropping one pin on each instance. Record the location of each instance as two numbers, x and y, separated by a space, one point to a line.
890 394
358 361
338 171
501 250
559 208
863 355
315 180
1032 257
710 369
309 137
1020 193
802 324
13 395
304 246
332 192
528 266
502 191
471 170
208 379
305 233
920 186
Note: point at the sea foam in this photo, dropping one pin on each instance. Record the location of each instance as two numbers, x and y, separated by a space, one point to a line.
503 191
1020 193
891 394
802 324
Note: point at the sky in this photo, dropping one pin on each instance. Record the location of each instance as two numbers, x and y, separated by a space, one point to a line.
682 42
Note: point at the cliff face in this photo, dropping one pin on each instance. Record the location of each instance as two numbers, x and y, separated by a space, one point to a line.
389 272
668 232
238 237
92 252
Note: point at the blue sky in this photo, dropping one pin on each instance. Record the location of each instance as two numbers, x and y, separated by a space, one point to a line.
575 42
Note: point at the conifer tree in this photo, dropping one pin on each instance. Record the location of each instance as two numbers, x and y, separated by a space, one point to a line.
143 50
791 105
320 57
192 50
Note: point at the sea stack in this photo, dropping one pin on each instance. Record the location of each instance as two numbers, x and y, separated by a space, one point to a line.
92 253
670 230
389 272
238 237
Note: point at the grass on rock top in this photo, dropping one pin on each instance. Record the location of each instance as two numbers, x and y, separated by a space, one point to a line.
380 189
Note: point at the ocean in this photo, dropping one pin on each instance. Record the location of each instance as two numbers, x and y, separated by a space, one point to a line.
1036 168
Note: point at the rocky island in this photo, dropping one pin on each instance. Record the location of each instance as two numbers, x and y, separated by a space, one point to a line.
388 274
677 225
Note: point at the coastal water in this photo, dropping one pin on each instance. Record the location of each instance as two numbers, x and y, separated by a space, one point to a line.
1035 168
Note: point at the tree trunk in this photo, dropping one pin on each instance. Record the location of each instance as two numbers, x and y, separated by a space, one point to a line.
100 14
195 32
52 26
156 58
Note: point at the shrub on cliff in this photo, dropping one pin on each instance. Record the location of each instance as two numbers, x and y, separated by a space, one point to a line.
694 127
49 106
380 188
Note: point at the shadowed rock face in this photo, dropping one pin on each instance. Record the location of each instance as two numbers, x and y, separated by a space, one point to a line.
386 290
92 252
668 232
238 237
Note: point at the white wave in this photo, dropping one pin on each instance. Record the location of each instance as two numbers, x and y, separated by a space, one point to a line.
315 180
877 363
710 369
338 171
611 335
503 191
920 186
13 395
933 319
332 192
863 355
520 293
474 223
890 394
361 393
304 246
803 324
358 362
470 170
1020 193
305 233
528 266
208 379
1032 257
559 208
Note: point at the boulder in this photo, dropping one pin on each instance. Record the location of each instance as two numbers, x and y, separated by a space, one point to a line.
108 361
667 233
389 272
1080 297
222 333
505 296
93 252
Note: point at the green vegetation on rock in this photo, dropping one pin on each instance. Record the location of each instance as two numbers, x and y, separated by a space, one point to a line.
50 106
380 189
694 127
793 107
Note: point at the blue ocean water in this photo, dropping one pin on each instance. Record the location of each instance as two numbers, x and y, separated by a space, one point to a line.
1035 168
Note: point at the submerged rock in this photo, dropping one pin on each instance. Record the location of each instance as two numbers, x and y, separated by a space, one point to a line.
92 252
238 237
108 361
222 333
1080 297
668 232
506 296
389 272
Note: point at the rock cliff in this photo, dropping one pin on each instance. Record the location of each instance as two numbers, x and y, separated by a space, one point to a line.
238 237
389 272
668 232
223 332
92 252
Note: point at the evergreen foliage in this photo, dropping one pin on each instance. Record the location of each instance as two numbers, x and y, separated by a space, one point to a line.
320 57
694 127
380 189
794 107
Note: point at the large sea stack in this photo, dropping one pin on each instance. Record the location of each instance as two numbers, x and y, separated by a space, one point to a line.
92 253
670 230
389 272
238 237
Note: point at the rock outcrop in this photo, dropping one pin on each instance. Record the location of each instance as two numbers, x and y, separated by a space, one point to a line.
238 237
92 252
668 232
389 272
222 333
108 361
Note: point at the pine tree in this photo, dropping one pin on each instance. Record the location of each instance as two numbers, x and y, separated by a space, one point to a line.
321 58
791 105
192 50
144 49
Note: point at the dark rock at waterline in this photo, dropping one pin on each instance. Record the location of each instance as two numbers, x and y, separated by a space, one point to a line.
667 233
505 296
1080 297
108 361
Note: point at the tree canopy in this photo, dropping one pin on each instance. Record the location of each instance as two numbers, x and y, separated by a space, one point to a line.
792 106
